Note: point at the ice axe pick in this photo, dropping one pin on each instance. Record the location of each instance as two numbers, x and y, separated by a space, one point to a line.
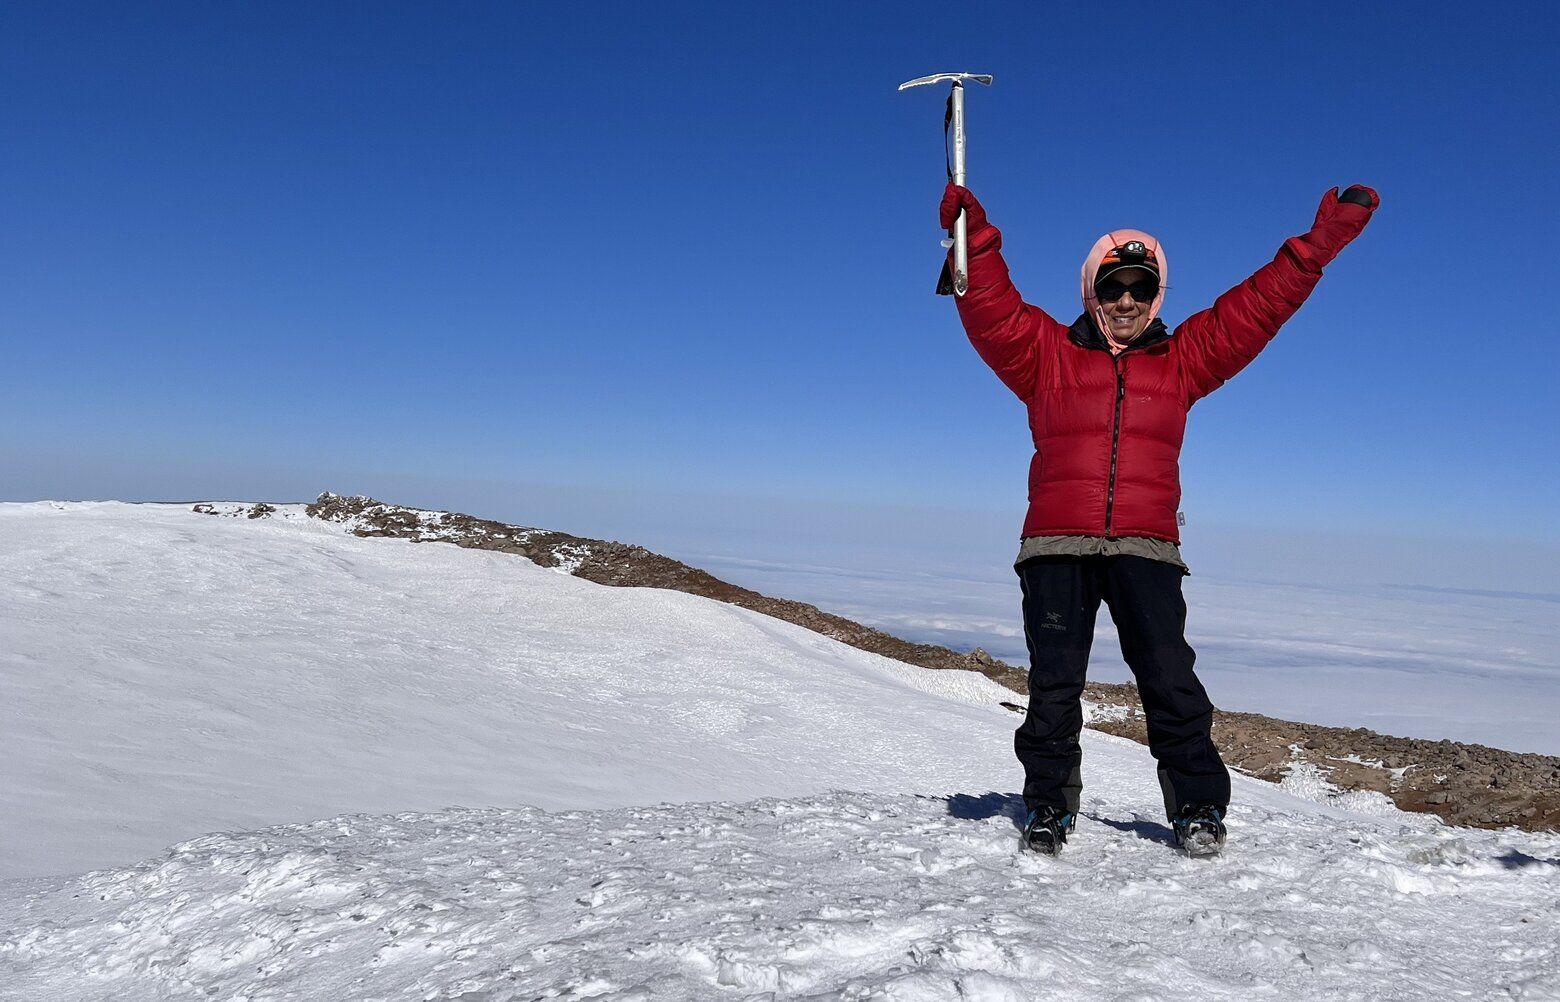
953 123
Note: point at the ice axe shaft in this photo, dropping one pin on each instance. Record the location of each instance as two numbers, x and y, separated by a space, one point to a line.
953 127
961 237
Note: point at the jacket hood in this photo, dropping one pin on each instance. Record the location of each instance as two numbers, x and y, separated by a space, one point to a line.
1091 267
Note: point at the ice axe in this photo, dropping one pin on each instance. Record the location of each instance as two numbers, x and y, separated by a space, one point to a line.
954 118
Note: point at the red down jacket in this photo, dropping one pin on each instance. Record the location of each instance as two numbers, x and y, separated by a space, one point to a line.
1107 428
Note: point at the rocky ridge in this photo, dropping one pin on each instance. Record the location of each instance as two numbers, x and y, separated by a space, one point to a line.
625 565
1464 784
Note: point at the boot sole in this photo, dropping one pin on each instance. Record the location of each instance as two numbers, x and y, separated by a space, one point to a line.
1042 848
1202 845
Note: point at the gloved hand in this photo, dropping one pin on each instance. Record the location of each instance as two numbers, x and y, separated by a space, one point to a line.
956 198
1358 194
1340 218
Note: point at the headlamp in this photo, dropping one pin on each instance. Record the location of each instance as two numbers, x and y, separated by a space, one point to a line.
1132 252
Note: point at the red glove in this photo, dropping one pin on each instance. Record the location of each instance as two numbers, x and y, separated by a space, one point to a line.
1341 219
956 198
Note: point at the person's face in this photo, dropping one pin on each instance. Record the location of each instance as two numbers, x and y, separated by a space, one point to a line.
1127 316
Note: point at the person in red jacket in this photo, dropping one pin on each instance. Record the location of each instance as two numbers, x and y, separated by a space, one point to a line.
1107 400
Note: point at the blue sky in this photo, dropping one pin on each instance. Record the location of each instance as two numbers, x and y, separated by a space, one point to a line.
625 267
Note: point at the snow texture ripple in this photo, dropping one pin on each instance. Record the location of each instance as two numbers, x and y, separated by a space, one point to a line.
835 896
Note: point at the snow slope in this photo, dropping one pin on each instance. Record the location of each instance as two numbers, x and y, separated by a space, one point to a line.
178 673
662 798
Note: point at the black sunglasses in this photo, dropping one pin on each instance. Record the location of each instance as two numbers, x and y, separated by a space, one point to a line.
1143 290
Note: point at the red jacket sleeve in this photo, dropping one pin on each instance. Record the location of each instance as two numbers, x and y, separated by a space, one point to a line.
1220 341
1013 337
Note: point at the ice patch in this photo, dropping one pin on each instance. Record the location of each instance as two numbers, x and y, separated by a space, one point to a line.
571 557
1105 713
1305 780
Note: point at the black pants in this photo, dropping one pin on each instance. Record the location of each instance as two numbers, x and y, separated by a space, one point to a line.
1061 597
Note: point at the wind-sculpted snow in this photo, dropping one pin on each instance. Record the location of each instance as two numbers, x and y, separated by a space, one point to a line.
836 896
164 673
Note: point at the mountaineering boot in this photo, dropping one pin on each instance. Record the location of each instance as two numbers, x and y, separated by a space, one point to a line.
1199 829
1046 830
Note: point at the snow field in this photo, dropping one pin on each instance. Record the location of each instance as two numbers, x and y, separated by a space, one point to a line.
660 804
181 673
832 896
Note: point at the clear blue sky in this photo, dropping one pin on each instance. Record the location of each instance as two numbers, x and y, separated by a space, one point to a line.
268 249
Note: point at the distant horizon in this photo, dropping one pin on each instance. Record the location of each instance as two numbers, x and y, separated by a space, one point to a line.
945 540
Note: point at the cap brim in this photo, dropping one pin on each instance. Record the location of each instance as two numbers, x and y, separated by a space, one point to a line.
1111 269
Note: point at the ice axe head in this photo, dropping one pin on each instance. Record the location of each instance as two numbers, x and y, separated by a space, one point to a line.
957 79
953 118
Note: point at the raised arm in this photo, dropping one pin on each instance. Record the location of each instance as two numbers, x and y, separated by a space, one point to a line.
1007 332
1220 341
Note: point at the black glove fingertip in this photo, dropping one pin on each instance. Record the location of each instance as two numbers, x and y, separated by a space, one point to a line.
1356 195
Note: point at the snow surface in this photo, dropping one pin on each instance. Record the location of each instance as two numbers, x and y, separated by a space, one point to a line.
830 896
662 797
181 673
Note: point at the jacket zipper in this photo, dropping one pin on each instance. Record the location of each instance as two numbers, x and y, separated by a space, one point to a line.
1115 439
